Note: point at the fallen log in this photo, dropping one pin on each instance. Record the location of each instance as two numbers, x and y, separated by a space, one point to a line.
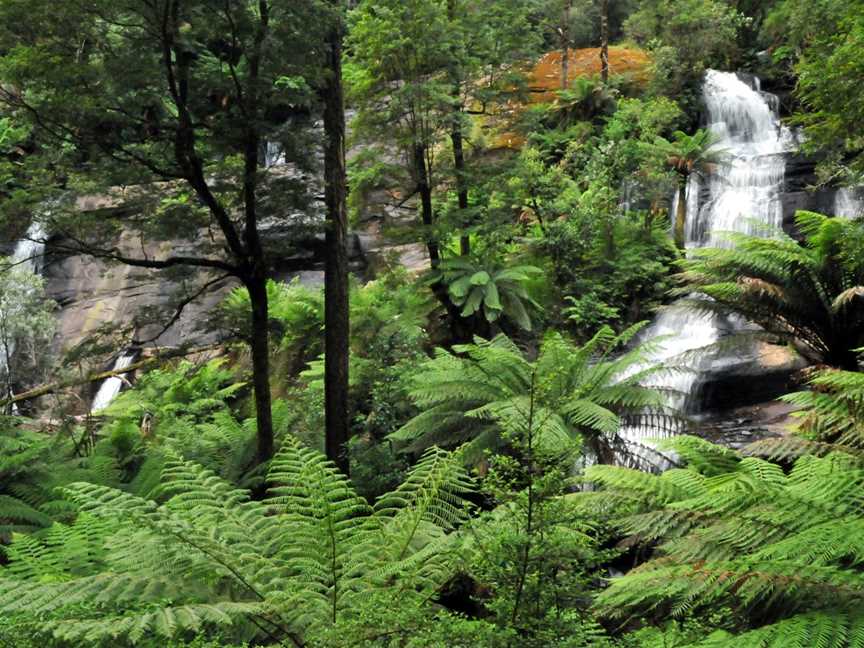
144 363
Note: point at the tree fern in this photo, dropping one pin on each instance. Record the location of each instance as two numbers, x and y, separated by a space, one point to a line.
34 464
480 393
781 549
283 569
830 419
809 293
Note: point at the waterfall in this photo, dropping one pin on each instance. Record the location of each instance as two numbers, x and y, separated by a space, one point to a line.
740 195
849 202
27 254
29 250
110 387
745 190
274 154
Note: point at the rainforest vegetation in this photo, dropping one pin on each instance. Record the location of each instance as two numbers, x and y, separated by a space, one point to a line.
431 323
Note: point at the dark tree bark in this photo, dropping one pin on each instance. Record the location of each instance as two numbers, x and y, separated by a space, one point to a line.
681 215
424 188
461 185
260 345
565 44
254 268
336 305
604 40
457 139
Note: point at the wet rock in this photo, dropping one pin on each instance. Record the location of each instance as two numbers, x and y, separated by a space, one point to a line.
754 373
741 426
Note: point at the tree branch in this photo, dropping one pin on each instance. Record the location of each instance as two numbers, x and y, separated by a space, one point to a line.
178 311
156 264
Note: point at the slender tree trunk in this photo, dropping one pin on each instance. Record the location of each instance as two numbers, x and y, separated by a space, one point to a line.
10 407
609 236
426 213
529 521
565 44
681 215
461 185
260 344
336 306
457 139
604 40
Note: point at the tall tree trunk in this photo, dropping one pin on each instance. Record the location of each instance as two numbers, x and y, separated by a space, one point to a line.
681 215
604 40
260 343
457 139
336 307
461 185
565 44
425 190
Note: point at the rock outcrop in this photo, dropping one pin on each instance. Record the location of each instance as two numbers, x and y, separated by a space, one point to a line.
754 372
93 294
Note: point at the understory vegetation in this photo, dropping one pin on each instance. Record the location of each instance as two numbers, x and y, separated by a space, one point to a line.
475 437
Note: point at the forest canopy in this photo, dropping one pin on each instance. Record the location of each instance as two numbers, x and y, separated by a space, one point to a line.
431 323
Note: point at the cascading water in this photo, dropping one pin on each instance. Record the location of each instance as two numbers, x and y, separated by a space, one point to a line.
29 250
745 189
741 194
111 387
274 155
27 254
849 202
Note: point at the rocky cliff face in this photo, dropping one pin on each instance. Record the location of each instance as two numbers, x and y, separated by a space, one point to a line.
798 192
94 295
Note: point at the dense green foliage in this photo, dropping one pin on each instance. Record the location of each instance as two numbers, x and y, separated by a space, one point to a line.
810 292
570 393
286 567
514 237
776 550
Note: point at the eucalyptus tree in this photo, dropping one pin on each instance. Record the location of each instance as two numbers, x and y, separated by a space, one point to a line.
337 326
565 44
400 51
185 93
604 40
489 42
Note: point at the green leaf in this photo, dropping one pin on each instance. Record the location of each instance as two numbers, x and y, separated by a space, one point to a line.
480 278
472 304
492 300
459 288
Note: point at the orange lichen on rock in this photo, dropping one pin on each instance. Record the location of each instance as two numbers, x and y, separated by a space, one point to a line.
544 81
545 78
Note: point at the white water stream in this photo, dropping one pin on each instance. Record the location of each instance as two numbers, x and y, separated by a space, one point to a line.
26 255
28 251
740 195
849 202
110 387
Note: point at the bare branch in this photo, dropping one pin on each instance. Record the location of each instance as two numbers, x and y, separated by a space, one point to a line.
178 311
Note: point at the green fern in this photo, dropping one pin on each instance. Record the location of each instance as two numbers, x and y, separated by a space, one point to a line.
495 292
285 568
33 465
481 393
781 549
810 292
